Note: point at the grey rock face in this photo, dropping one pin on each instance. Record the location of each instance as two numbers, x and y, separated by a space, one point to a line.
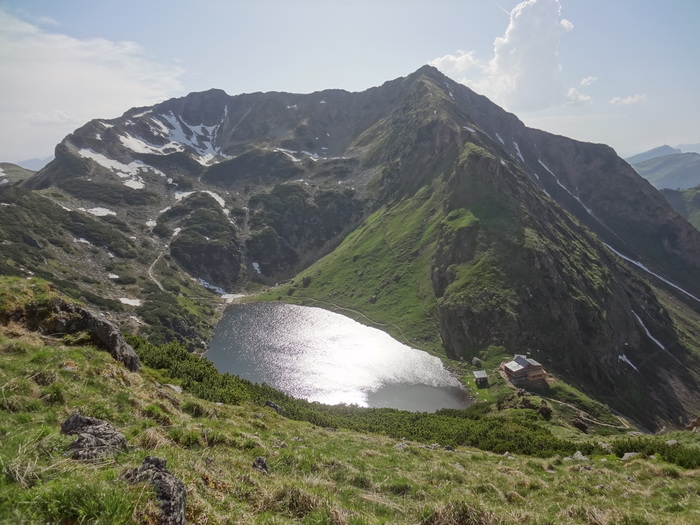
69 318
96 438
170 491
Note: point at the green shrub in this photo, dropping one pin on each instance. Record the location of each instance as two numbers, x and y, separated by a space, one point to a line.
193 408
185 437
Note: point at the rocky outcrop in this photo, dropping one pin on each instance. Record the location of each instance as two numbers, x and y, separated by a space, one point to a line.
61 317
96 438
171 493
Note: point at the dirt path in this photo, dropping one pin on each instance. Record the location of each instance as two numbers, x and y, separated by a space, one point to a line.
153 277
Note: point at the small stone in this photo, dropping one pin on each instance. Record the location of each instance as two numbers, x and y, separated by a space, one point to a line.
579 456
274 406
672 442
260 464
629 455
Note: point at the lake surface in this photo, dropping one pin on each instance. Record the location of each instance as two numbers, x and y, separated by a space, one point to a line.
322 356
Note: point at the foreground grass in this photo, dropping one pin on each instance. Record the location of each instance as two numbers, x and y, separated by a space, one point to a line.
316 475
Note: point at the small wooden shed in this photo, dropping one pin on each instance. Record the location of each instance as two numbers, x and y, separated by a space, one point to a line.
481 379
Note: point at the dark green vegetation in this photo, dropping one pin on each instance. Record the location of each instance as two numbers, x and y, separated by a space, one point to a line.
288 223
320 470
515 432
685 202
206 243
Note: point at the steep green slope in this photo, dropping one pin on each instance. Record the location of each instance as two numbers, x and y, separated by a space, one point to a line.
685 202
381 270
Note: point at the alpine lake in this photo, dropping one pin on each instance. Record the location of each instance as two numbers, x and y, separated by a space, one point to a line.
322 356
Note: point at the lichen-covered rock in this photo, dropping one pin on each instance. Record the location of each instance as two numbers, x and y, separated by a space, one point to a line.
96 438
170 491
62 317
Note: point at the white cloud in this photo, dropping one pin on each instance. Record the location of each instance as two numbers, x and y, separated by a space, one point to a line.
588 81
523 73
632 99
459 63
52 83
575 98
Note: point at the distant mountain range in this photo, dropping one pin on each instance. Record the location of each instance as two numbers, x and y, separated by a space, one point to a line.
667 167
36 163
418 204
676 173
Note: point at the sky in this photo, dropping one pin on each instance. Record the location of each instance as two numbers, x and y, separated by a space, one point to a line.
622 72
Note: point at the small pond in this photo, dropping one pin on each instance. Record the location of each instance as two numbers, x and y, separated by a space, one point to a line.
322 356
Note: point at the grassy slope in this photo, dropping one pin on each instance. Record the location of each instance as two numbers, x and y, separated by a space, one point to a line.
316 475
380 273
685 202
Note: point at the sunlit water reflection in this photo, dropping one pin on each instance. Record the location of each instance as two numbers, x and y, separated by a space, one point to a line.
322 356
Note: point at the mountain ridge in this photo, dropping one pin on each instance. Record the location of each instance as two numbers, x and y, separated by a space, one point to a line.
265 185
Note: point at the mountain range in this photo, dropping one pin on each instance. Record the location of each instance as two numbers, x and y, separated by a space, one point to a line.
418 204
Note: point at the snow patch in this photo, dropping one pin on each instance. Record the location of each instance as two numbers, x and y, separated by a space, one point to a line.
179 195
151 224
517 151
142 113
217 198
136 184
130 302
641 323
499 138
199 137
113 276
138 145
133 169
623 358
640 265
82 240
256 267
289 154
98 212
211 287
322 102
230 297
292 107
313 156
175 232
588 210
470 130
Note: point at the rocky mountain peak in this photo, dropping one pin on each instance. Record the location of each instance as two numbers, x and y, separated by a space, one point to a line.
512 237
